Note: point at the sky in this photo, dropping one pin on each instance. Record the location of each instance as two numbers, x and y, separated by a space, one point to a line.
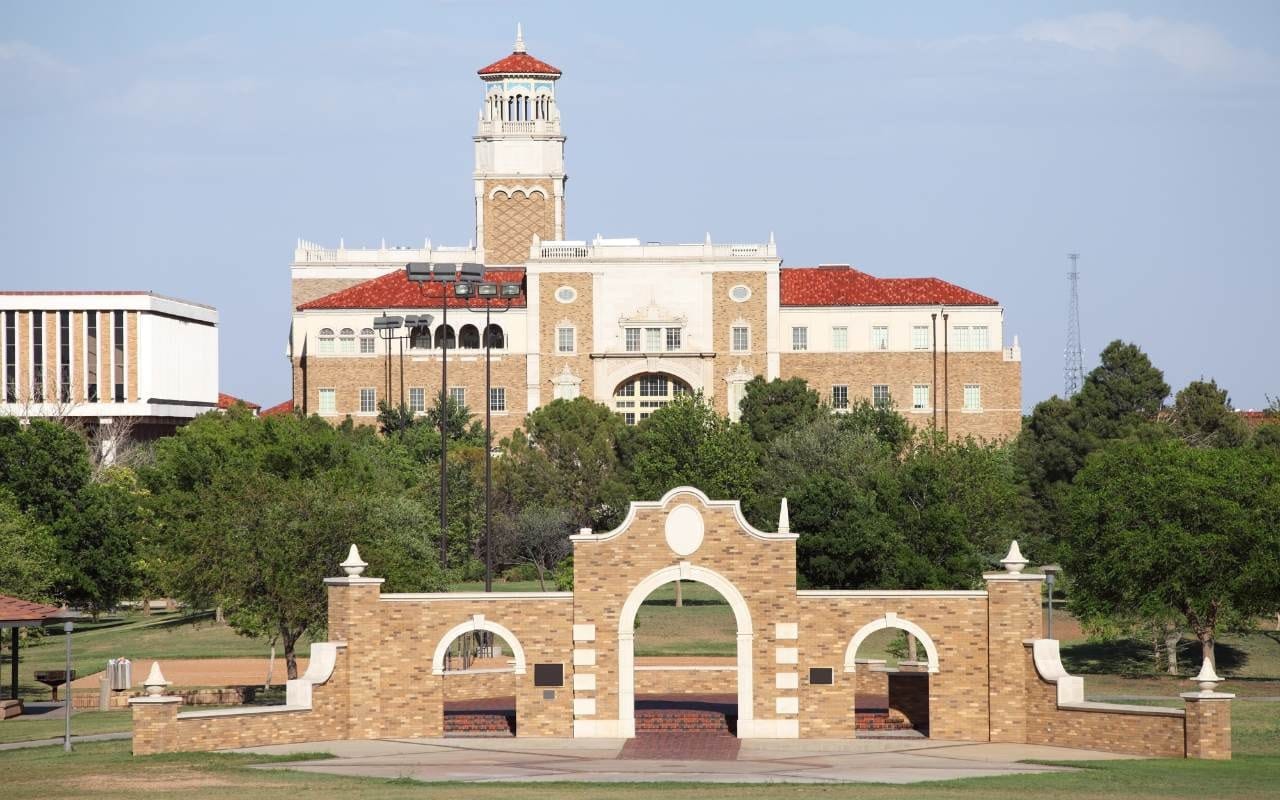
184 147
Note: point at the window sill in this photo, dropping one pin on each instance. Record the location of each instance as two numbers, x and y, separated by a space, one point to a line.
922 411
971 410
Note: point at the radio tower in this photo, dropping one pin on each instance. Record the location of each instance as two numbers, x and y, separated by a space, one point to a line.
1073 356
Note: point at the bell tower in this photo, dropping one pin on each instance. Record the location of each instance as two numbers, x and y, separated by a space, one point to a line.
519 176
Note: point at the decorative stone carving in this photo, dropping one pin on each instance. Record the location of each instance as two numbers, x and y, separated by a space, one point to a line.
684 529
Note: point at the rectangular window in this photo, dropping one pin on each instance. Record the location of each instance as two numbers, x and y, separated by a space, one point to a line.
91 355
972 397
799 338
498 399
564 340
740 339
879 337
919 337
920 397
37 356
627 389
347 342
960 337
328 401
11 356
840 338
64 356
880 395
839 396
368 401
653 386
652 340
458 394
979 337
417 399
629 417
368 343
117 342
673 338
633 340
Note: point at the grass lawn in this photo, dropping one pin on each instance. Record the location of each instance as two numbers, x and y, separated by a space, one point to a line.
135 636
86 722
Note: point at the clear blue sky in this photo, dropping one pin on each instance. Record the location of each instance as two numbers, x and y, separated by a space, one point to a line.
182 147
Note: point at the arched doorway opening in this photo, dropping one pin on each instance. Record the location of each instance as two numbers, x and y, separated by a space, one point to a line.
479 663
642 394
891 659
737 673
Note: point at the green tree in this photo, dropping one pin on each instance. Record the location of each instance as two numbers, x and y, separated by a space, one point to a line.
770 408
688 444
536 536
1158 528
100 544
44 465
1202 417
28 551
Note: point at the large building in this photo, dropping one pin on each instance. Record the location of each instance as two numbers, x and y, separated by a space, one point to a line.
631 323
103 357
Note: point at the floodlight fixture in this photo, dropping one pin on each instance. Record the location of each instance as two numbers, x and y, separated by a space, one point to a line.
463 289
471 272
418 271
387 323
510 290
487 289
446 273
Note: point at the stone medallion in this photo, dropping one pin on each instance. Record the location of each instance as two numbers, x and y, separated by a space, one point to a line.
684 529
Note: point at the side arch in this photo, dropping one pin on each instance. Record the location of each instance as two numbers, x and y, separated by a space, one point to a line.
477 623
890 620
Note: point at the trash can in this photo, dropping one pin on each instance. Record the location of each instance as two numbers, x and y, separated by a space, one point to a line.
120 674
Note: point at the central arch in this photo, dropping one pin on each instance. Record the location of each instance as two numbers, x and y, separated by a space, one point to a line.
627 634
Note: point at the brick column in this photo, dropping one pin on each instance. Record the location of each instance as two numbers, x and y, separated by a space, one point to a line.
1208 720
353 619
155 724
1013 617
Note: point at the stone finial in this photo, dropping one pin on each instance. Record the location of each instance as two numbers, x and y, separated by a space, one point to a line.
784 518
155 683
1207 679
353 566
1014 561
519 48
584 531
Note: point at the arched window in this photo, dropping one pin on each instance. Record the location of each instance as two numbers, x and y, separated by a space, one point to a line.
420 338
347 342
494 337
367 342
468 337
446 337
326 341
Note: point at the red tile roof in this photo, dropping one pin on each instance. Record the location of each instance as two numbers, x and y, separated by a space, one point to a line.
279 409
519 64
395 290
841 285
13 609
228 400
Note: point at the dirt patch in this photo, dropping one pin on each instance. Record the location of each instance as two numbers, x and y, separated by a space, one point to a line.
162 781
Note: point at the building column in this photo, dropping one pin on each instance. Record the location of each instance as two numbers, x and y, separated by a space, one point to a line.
353 619
1208 720
1013 617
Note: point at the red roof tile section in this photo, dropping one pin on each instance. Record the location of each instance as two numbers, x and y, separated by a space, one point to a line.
228 400
278 410
519 64
13 609
844 286
395 290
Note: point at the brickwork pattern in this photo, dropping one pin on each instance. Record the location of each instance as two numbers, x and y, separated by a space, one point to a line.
958 702
579 313
724 313
478 686
605 572
1001 383
466 369
1208 728
685 681
131 388
1015 616
512 220
1135 733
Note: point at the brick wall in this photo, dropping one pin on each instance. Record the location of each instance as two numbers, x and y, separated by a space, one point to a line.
478 685
724 313
1208 727
1001 383
686 681
512 220
1015 617
551 313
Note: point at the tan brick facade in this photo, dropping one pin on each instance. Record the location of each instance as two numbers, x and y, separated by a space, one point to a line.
980 679
1000 384
725 313
513 216
553 315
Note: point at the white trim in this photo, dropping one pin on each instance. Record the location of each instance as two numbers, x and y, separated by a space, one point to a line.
584 706
1044 653
786 630
584 681
768 729
511 190
890 620
437 597
584 632
874 593
477 623
637 505
786 705
584 657
786 680
786 655
626 637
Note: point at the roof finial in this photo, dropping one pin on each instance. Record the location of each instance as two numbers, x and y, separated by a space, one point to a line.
519 48
784 518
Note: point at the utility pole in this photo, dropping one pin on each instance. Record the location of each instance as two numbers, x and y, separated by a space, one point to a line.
1073 356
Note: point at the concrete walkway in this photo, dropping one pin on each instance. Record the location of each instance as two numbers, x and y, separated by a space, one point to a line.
758 761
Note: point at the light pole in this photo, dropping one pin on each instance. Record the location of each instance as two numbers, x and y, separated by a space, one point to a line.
488 291
444 274
1050 571
66 738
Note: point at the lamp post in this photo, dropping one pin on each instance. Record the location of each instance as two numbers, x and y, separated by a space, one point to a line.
1051 572
444 274
66 738
489 291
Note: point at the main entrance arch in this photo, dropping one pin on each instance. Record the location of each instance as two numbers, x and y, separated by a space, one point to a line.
642 394
626 638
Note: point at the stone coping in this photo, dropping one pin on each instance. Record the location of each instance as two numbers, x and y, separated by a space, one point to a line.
894 593
685 668
480 671
437 597
1117 708
242 711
